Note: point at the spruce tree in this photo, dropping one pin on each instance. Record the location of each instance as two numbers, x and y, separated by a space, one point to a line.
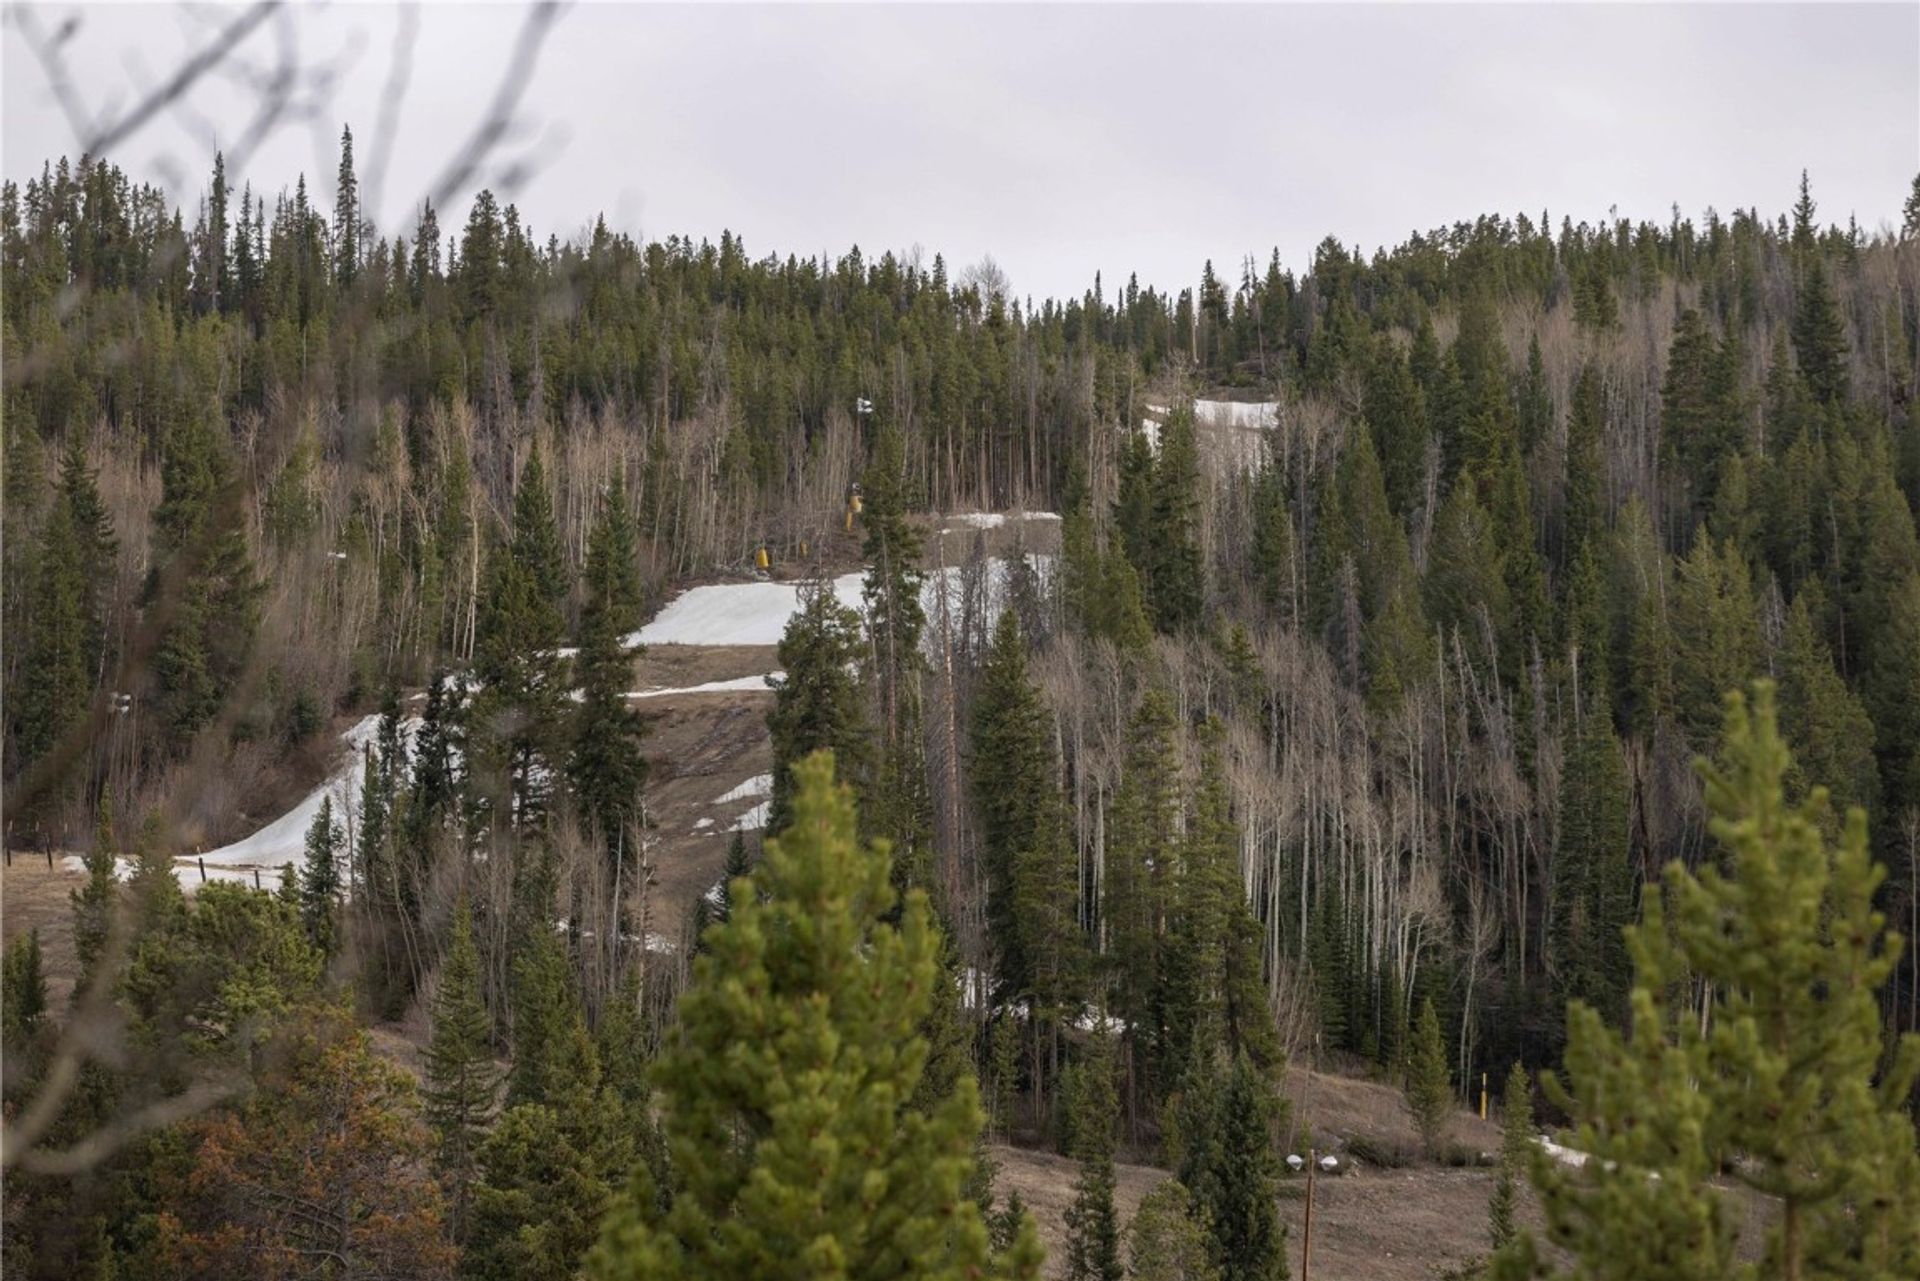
462 1083
1593 888
548 1172
1170 1238
1093 1105
516 719
94 902
320 879
1781 1074
1820 335
785 1096
1516 1153
607 767
817 704
1025 844
1228 1114
542 996
1429 1088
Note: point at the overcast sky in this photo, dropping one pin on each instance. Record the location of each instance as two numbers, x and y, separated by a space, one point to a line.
1060 140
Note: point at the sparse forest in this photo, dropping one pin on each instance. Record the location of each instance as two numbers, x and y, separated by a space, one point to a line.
1356 739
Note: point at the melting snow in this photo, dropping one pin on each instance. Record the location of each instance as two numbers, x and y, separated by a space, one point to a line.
284 841
760 684
754 819
757 613
759 787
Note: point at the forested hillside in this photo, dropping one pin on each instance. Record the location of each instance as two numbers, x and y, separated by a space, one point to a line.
1394 710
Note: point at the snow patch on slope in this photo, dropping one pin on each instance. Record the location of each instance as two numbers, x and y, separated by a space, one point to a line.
284 841
757 613
759 787
752 684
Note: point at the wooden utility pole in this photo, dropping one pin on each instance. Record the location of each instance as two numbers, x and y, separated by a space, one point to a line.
1306 1230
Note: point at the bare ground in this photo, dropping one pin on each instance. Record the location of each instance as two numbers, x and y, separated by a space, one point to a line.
1369 1224
36 897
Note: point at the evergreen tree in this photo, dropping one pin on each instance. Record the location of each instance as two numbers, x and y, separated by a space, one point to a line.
461 1081
1516 1151
1429 1087
786 1093
1142 860
1173 568
1093 1225
23 1014
607 768
547 1175
1784 1076
515 719
1031 866
1228 1114
1820 335
897 804
94 902
203 571
1831 733
346 218
1593 890
320 879
1715 633
543 998
817 704
1169 1238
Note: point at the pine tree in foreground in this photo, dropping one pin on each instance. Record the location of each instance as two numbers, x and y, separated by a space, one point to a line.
1093 1225
1516 1148
1786 1083
461 1080
1429 1091
786 1094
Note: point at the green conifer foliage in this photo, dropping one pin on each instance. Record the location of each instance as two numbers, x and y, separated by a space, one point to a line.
1170 1238
1228 1113
1824 721
1031 864
818 703
1429 1085
1093 1105
1594 889
515 718
548 1172
1820 335
1782 1077
320 879
1516 1154
607 767
786 1094
462 1083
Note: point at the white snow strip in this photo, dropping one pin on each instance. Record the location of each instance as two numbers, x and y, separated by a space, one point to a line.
284 840
703 824
735 613
757 613
759 787
994 520
1564 1155
1246 414
756 684
754 819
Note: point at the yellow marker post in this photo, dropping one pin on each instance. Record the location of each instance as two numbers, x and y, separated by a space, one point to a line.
1483 1096
760 558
